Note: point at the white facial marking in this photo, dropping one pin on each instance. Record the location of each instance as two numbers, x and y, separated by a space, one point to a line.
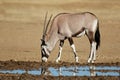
44 59
45 50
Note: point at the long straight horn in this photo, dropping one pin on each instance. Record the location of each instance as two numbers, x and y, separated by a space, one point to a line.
48 24
45 25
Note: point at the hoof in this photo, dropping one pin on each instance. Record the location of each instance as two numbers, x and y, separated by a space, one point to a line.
76 59
57 60
93 61
89 61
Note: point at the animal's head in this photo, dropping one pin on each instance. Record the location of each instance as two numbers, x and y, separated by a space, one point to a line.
44 48
44 51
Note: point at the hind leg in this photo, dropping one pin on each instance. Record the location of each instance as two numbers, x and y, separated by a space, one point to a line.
94 46
92 56
73 48
60 50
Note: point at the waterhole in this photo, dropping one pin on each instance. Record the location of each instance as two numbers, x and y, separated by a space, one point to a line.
70 71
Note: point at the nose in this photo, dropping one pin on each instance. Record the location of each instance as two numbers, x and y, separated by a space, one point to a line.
44 59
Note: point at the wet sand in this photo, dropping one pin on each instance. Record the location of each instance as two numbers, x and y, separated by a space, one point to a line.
13 65
29 77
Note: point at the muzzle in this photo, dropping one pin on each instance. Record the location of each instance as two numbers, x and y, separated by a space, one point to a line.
45 54
44 59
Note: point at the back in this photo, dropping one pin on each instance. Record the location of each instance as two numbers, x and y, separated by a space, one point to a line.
72 23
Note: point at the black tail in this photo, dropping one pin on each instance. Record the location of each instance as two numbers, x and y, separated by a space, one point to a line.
97 36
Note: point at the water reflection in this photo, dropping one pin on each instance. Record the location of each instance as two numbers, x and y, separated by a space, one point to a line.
45 71
91 70
69 71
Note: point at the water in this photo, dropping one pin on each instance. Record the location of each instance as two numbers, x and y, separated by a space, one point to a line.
71 71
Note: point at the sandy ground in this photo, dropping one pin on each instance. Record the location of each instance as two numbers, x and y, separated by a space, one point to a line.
21 24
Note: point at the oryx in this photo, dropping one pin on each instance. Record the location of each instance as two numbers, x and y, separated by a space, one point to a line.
66 26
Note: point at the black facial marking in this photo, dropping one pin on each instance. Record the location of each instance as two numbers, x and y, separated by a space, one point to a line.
43 42
44 53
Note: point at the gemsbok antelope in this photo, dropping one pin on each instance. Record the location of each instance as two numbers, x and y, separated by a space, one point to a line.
66 26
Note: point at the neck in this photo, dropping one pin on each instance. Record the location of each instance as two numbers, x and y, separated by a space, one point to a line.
51 40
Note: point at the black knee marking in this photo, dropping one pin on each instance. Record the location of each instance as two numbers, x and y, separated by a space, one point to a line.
61 42
70 41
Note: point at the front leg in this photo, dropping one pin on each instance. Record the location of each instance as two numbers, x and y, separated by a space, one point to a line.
60 50
73 48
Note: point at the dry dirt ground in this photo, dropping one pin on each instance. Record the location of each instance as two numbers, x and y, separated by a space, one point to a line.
21 25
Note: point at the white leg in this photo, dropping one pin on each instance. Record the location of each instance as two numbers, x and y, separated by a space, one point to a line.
59 55
60 50
92 70
60 71
94 57
91 53
75 53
